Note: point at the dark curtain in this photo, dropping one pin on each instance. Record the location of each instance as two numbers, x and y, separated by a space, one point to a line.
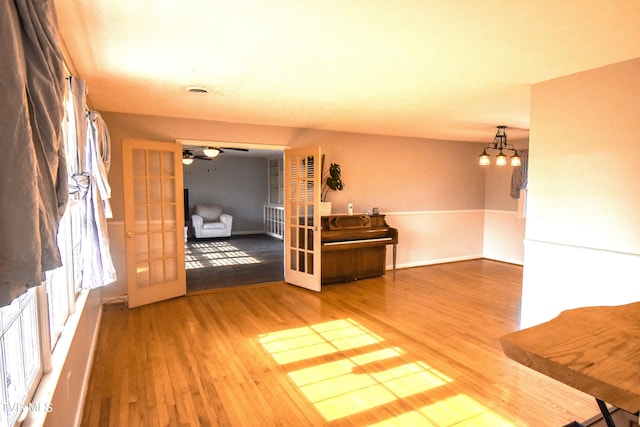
33 174
519 175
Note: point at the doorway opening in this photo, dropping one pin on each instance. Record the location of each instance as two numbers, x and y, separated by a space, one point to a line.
243 182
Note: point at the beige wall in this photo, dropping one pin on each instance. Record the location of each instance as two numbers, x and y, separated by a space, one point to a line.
237 184
130 126
401 174
582 242
503 226
393 173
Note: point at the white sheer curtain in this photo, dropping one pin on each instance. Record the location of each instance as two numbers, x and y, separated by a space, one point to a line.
89 155
33 172
98 267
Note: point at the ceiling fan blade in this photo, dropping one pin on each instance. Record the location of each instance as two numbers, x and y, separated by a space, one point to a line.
237 149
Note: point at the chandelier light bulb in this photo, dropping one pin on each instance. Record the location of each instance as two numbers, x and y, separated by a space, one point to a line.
484 159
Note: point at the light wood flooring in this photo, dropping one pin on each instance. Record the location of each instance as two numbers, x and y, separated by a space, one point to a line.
420 350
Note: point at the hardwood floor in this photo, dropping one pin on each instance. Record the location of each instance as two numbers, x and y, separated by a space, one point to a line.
236 261
420 350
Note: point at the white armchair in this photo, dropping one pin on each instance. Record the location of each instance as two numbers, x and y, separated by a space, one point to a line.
209 221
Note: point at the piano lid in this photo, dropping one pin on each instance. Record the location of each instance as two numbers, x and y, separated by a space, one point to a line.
346 222
353 222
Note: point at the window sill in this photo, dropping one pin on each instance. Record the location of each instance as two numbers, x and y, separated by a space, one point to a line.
52 382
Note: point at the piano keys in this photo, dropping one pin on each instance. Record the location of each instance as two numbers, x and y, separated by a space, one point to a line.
354 247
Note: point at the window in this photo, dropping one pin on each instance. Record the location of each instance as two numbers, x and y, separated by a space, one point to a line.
26 343
20 362
276 182
31 326
62 284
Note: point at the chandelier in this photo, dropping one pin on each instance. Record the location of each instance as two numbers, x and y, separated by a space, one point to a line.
500 144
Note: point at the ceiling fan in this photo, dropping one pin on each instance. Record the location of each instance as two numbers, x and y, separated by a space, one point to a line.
189 153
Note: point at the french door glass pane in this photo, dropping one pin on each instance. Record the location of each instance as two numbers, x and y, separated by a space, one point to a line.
157 271
155 190
171 269
170 243
140 190
142 247
139 162
168 168
156 249
140 225
169 219
155 218
154 164
168 190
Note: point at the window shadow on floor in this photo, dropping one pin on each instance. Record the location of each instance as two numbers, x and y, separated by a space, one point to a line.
234 261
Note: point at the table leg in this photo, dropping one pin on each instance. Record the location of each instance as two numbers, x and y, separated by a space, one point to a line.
605 413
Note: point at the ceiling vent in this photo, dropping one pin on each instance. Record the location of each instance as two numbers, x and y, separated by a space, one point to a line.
198 89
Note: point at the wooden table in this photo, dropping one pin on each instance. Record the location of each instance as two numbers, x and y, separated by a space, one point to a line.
593 349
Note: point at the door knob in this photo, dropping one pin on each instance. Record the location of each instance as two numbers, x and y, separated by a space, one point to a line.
130 234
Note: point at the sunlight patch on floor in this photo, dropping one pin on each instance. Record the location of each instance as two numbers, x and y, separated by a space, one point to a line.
354 384
459 411
304 343
215 254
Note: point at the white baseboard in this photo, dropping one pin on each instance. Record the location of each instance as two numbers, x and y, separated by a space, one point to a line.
507 260
277 236
241 233
116 300
434 261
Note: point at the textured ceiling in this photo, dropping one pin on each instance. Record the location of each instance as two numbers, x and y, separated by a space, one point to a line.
448 70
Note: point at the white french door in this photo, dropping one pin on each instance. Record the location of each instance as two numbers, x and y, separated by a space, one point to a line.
154 221
302 176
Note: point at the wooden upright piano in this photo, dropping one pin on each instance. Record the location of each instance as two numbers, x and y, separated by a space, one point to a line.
354 247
